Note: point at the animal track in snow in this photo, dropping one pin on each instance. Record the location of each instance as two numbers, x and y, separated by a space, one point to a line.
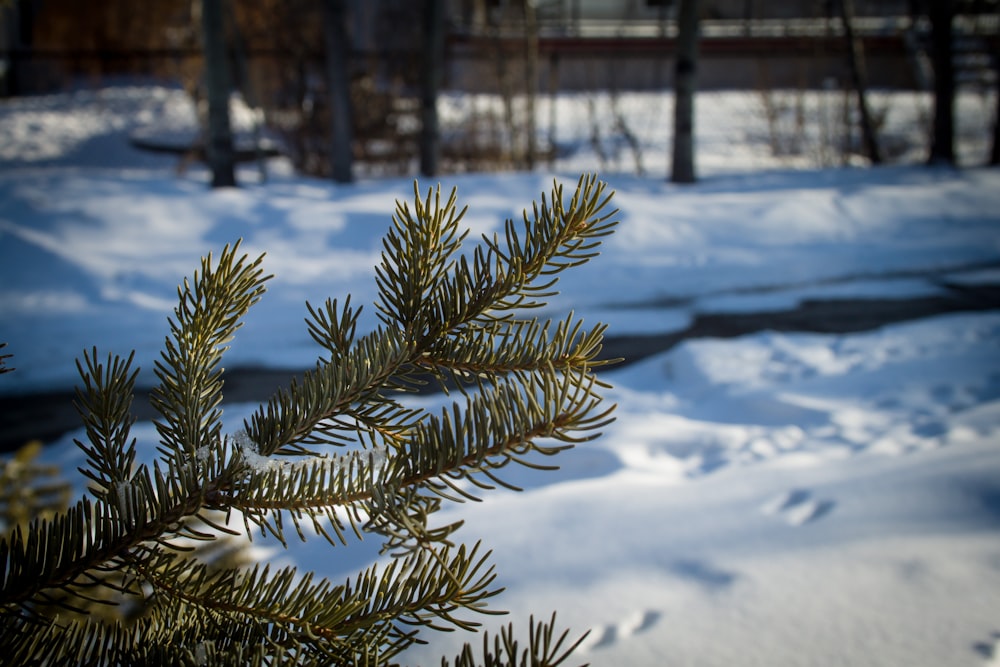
632 624
798 507
990 650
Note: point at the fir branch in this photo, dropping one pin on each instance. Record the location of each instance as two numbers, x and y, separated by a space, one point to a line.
442 313
328 391
174 634
496 427
153 506
272 491
29 489
422 306
556 236
4 368
105 404
417 256
422 589
190 391
544 649
508 346
504 277
333 328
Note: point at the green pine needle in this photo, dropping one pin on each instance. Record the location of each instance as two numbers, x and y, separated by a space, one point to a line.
337 455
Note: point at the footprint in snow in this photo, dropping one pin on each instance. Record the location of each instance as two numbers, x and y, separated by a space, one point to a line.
798 507
630 625
990 650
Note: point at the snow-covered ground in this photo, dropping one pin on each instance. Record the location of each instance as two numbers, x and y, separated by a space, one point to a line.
775 499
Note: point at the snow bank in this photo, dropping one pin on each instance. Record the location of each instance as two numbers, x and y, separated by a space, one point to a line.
773 499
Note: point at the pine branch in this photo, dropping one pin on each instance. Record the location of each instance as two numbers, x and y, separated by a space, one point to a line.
417 257
508 346
557 236
210 310
175 635
54 553
29 489
503 277
328 391
422 307
544 649
529 390
496 427
4 368
423 589
105 404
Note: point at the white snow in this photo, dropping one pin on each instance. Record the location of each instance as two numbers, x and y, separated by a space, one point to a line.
770 499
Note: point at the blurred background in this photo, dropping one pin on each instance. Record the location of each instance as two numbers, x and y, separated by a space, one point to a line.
347 88
804 461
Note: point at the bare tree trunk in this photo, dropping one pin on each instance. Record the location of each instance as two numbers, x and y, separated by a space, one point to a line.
685 83
219 144
855 54
505 86
941 13
748 14
244 83
433 62
553 95
531 81
995 153
339 85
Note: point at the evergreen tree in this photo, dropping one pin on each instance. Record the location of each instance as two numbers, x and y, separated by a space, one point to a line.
338 453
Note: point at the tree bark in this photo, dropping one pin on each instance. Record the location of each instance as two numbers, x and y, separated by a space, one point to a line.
685 83
748 14
219 144
940 14
339 85
431 75
859 79
995 152
531 83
